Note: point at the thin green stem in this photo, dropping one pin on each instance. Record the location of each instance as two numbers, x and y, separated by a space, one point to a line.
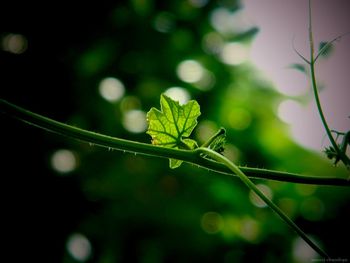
342 156
311 39
153 150
235 169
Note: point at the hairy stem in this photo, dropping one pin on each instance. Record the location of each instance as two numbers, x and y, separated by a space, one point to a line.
235 169
148 149
342 156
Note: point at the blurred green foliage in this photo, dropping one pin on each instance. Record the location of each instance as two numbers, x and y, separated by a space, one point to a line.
134 208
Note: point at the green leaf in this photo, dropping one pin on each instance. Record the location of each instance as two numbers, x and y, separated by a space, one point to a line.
325 49
299 67
172 125
218 143
332 154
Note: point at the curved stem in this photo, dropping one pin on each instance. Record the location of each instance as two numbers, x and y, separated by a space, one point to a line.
342 156
92 137
162 152
222 159
298 53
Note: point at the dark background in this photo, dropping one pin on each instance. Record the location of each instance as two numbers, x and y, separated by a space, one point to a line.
134 208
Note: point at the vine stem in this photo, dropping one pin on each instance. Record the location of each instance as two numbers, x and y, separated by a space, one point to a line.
190 156
342 155
235 169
